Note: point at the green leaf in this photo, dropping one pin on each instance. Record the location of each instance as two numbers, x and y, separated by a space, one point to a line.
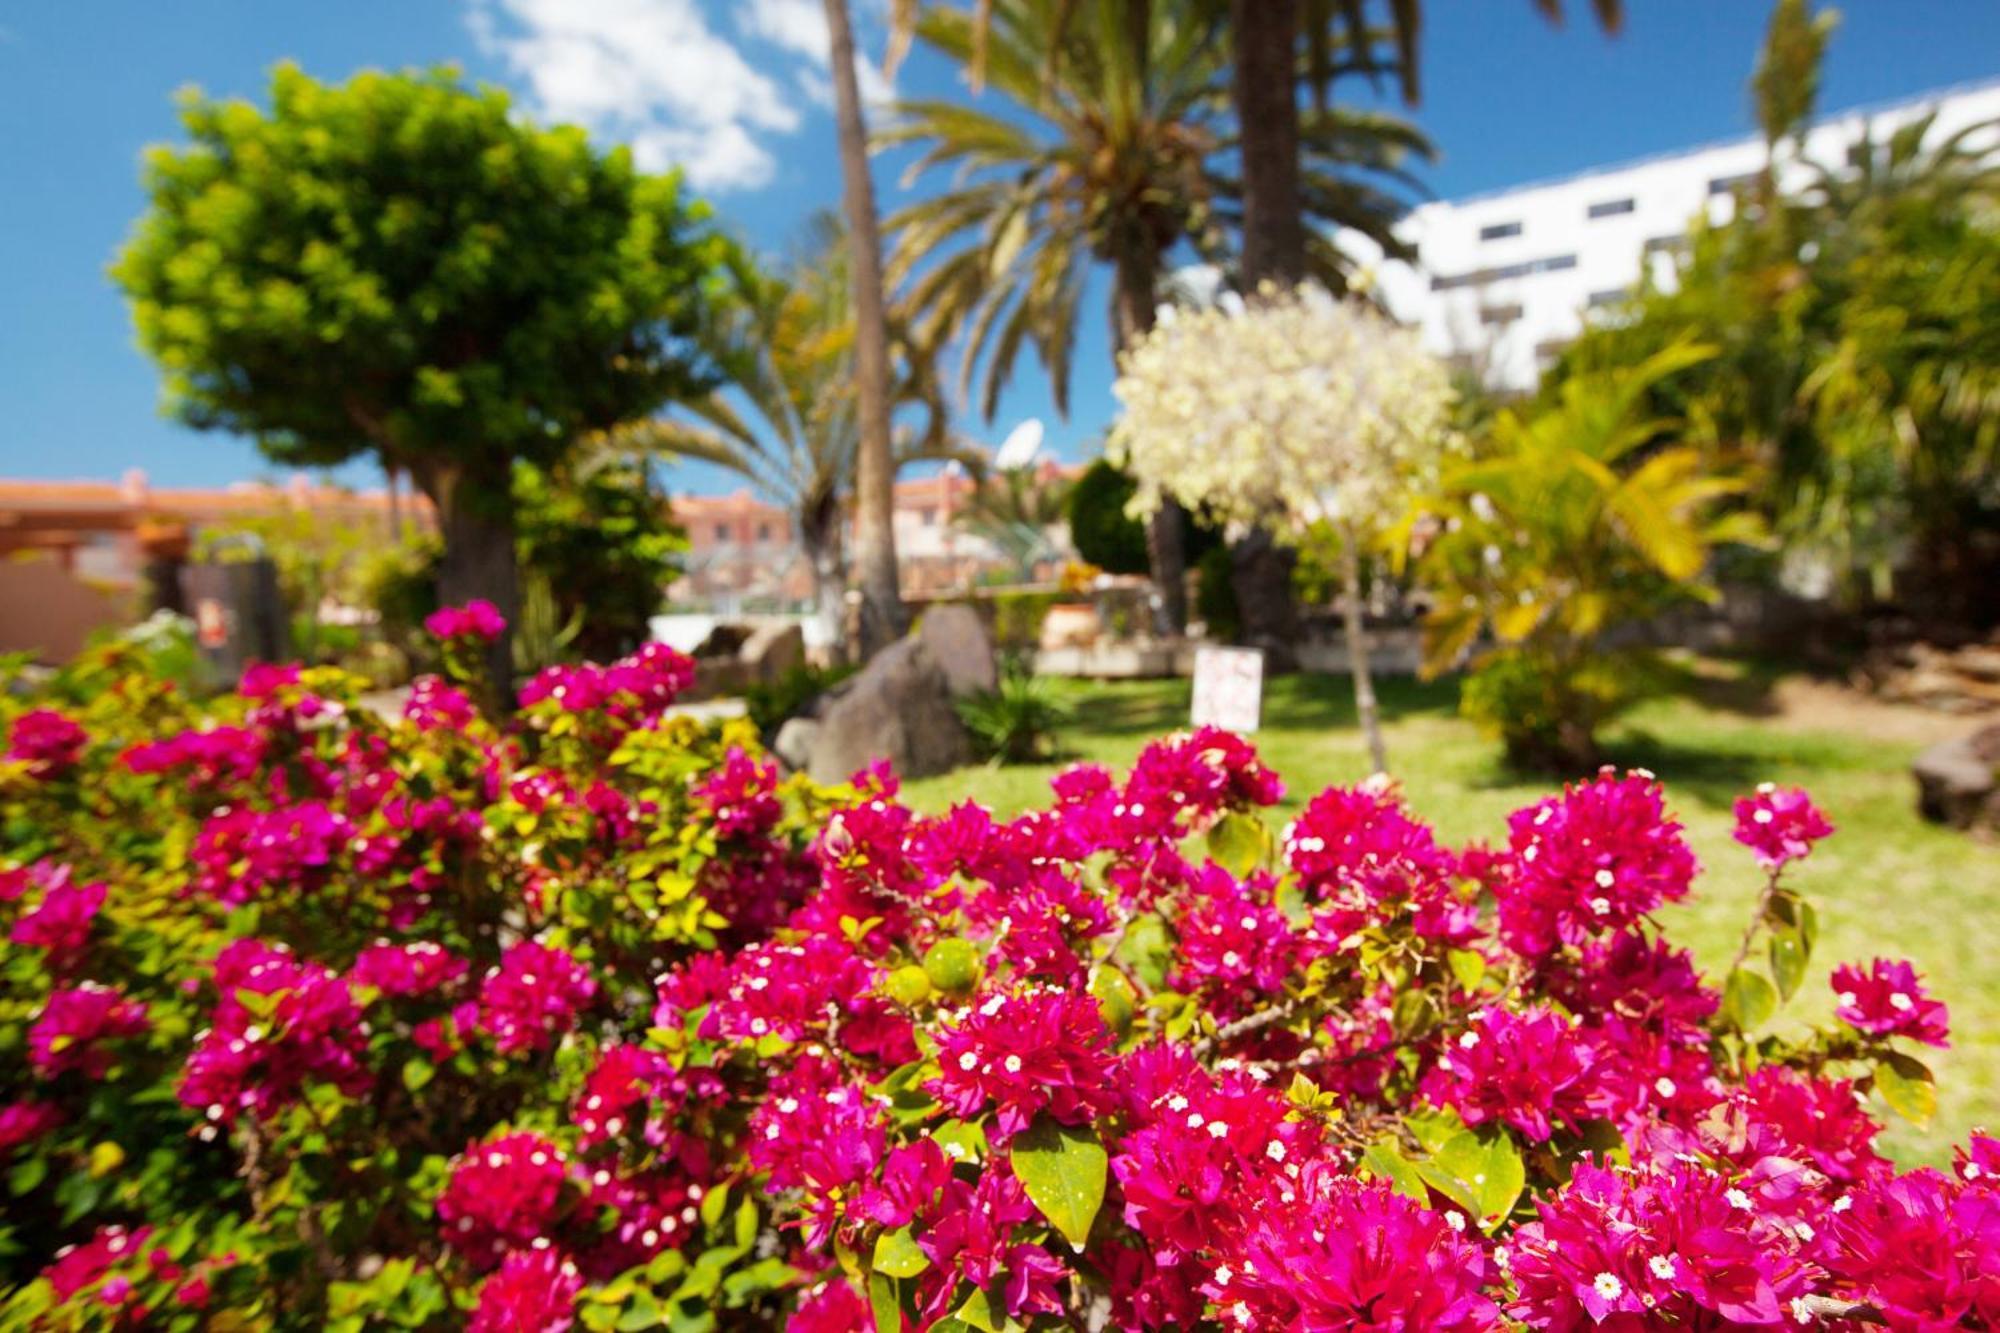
961 1140
27 1174
1468 966
1386 1162
1481 1171
884 1301
1789 955
417 1072
981 1312
1748 1000
1062 1167
642 1311
1238 842
1906 1084
897 1254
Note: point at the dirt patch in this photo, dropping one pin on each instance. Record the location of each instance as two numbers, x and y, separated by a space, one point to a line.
1802 703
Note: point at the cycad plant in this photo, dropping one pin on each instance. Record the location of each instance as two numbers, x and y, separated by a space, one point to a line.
1578 519
1015 511
1017 721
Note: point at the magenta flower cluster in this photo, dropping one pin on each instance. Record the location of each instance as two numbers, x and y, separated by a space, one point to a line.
598 1018
477 620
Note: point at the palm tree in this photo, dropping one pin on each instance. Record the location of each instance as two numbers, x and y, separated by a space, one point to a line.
1113 150
1276 44
883 619
790 419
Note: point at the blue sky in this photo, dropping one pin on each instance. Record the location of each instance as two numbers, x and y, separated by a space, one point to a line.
735 89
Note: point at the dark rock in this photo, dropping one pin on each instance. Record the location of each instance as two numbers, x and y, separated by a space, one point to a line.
957 641
898 708
723 640
1958 781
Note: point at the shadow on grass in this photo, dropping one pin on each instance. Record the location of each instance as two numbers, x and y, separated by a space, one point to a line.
1746 686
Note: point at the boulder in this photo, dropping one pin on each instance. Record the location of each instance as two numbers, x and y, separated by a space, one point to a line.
898 708
795 740
771 651
1958 781
957 641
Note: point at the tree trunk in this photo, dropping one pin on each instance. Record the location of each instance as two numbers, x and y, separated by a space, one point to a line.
819 540
1357 648
1267 108
1267 615
883 618
1274 250
1135 299
476 519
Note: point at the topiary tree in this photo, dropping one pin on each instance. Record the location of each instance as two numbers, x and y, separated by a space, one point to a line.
1100 529
399 267
1293 408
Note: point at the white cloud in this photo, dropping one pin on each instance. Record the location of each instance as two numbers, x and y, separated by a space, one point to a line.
657 74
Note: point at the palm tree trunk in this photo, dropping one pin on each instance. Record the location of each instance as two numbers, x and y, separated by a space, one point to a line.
1267 108
883 618
1274 251
1136 298
1357 648
819 541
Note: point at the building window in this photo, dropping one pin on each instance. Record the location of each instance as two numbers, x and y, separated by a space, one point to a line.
1730 184
1610 296
1499 231
1500 314
1662 243
1610 208
722 532
763 532
1479 278
1546 352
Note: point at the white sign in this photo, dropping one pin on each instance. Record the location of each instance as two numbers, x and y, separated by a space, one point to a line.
1228 688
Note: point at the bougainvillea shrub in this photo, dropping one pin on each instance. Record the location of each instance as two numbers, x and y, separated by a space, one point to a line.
312 1018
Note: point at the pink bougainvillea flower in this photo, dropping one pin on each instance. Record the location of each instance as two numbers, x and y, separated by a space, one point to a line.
1595 859
59 924
257 1059
502 1194
741 795
79 1266
1887 1000
47 741
1779 824
1532 1069
1336 1253
77 1023
532 997
435 705
478 620
533 1291
1041 1050
1673 1245
24 1122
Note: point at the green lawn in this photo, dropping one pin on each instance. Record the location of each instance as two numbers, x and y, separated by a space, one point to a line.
1886 883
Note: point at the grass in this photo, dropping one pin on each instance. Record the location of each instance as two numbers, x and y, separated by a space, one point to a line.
1886 883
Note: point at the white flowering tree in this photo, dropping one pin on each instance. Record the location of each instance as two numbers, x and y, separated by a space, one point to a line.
1281 411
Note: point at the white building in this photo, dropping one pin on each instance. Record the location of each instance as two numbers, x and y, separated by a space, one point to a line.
1503 280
